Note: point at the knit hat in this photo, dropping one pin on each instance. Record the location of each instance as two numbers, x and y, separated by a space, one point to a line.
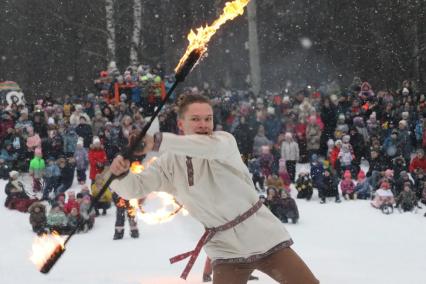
361 174
338 141
330 143
347 174
13 174
346 138
96 140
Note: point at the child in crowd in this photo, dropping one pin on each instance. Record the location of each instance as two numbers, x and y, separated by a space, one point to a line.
317 171
282 172
71 202
383 196
57 220
4 169
82 161
275 182
406 200
51 177
362 188
67 168
266 160
273 202
348 186
328 187
16 197
37 167
104 202
304 186
254 169
288 208
88 217
97 158
38 219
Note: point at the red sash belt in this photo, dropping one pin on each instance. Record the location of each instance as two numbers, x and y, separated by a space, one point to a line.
208 235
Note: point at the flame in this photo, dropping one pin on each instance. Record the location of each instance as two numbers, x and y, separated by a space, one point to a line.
169 207
44 246
199 39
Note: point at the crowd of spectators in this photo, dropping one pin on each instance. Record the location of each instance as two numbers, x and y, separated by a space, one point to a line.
354 143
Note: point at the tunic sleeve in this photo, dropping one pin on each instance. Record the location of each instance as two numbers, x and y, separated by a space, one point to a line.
156 177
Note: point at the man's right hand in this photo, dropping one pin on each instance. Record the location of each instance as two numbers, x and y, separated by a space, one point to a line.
119 166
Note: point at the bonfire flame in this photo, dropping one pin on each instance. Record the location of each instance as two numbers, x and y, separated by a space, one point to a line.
199 39
169 207
44 247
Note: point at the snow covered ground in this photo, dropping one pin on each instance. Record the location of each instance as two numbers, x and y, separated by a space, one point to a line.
348 243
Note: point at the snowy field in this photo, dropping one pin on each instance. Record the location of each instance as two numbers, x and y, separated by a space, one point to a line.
348 243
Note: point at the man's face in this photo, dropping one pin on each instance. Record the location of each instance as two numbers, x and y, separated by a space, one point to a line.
198 119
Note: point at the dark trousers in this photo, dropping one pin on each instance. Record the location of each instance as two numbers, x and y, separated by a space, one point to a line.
284 266
81 175
120 218
291 169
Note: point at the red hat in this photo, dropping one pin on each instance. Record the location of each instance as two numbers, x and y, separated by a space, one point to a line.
347 174
361 174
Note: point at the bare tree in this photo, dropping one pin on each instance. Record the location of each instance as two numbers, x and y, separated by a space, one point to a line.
136 37
110 26
255 76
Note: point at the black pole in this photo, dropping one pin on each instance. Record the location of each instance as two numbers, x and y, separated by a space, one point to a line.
127 153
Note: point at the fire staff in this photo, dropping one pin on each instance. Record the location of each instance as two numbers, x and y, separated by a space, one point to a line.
203 169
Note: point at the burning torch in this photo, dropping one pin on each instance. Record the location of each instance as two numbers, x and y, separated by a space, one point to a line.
198 41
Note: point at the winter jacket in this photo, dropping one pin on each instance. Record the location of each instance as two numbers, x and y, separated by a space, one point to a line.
37 167
70 141
417 163
33 142
57 219
347 186
85 131
72 203
288 208
97 160
106 197
313 136
81 158
290 151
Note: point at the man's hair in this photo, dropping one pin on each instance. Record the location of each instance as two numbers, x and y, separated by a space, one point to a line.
185 100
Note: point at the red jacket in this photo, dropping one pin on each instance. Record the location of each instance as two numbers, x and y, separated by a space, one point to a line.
97 159
72 203
417 163
334 156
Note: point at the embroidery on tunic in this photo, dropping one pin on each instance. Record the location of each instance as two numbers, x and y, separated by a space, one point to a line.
190 170
255 257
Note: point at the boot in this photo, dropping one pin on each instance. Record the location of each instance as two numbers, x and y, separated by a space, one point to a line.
355 196
104 212
251 277
134 234
322 201
118 235
338 200
207 278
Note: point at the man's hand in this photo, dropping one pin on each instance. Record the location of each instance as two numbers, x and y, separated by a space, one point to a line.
119 166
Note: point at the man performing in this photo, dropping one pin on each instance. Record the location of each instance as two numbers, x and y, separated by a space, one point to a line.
203 169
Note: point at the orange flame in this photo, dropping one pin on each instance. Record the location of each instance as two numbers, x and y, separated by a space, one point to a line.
44 246
200 38
169 208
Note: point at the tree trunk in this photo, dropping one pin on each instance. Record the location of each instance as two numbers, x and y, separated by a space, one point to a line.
136 37
110 26
255 78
